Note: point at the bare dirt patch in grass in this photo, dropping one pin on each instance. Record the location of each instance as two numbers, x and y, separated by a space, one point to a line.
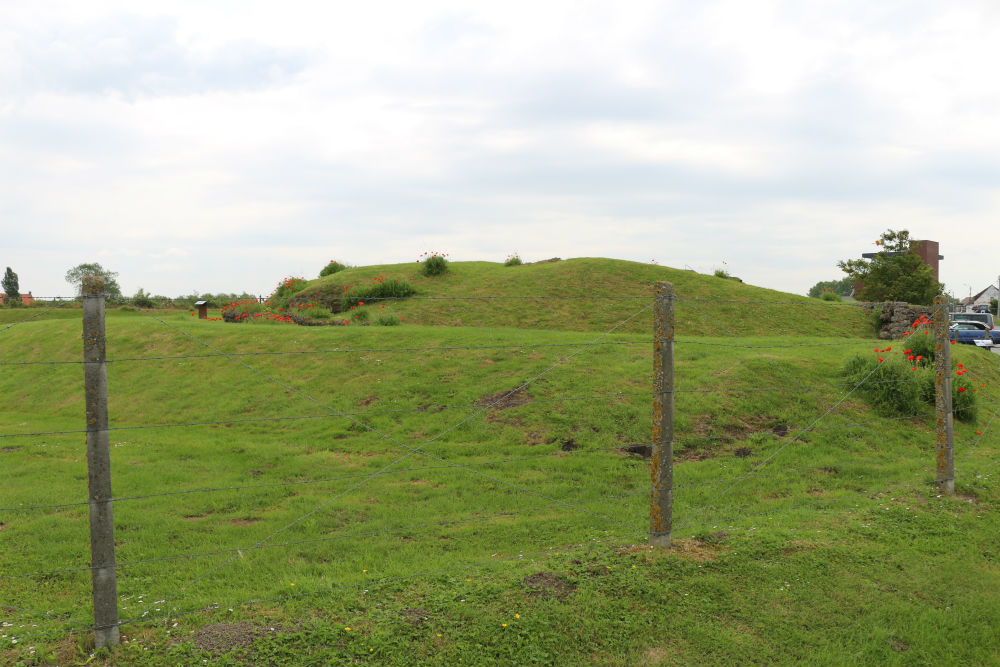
246 521
548 585
697 550
643 451
970 498
221 638
416 616
503 400
657 655
535 438
692 454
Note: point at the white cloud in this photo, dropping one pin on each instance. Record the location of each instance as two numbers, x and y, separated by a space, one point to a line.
220 146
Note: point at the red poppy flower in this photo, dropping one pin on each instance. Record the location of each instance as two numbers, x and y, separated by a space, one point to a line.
961 388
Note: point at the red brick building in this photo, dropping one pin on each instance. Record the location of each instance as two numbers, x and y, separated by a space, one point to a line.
25 299
928 251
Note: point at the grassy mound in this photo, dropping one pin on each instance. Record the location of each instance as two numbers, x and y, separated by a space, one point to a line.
595 294
456 494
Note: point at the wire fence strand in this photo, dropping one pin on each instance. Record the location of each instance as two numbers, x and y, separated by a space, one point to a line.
690 520
412 450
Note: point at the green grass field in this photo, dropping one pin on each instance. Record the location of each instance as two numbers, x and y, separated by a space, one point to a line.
366 495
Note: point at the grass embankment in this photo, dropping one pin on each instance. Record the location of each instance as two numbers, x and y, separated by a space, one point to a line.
596 295
517 536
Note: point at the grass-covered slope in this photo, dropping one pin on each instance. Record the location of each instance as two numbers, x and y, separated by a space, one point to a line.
595 294
515 535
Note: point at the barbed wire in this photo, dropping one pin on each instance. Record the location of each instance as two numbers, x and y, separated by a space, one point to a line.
385 580
973 441
42 614
244 487
367 585
374 583
712 322
783 447
779 510
536 297
388 580
438 408
334 415
864 493
464 406
682 341
181 301
807 301
411 450
561 453
28 319
557 453
329 538
346 350
622 448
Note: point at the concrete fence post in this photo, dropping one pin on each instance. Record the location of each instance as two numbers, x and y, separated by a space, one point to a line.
102 527
942 398
661 501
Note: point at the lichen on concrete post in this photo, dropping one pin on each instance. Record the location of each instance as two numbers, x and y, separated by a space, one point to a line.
662 465
942 398
102 527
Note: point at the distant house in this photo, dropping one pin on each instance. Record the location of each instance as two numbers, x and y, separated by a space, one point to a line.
983 298
25 298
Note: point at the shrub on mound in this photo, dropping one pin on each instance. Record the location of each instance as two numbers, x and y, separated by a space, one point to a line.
903 386
331 268
381 289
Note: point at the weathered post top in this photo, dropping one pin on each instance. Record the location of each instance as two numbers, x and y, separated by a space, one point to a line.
93 285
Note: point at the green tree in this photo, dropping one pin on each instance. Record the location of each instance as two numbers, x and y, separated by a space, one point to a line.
840 287
142 299
76 275
11 287
895 273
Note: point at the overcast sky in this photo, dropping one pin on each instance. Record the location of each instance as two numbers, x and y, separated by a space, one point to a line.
221 146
